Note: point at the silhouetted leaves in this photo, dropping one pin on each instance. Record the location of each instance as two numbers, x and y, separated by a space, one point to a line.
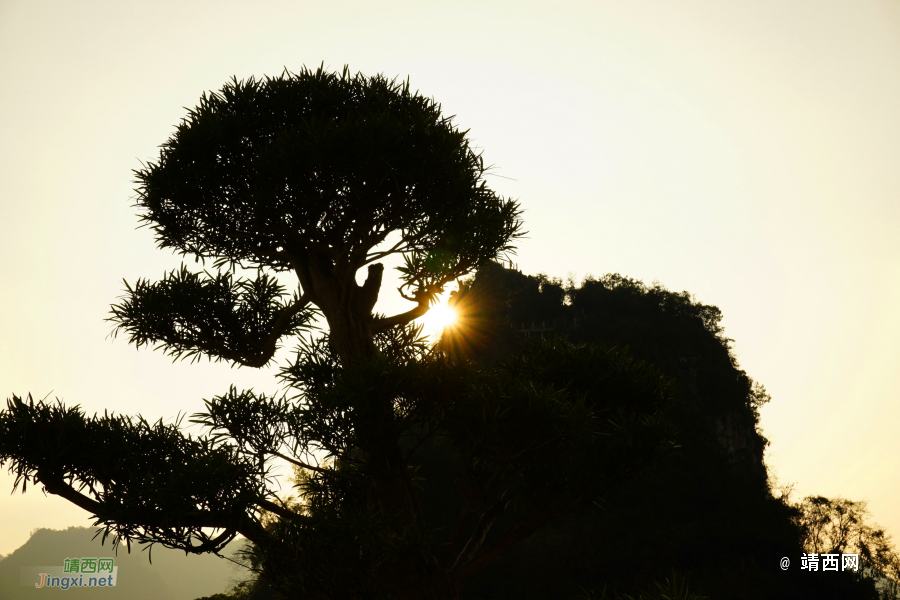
189 314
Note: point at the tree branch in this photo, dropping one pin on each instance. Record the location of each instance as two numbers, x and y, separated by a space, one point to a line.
402 318
270 343
481 529
245 526
379 255
368 293
281 511
304 465
517 533
462 520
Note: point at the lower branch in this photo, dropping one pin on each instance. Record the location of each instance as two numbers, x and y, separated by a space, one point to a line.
243 525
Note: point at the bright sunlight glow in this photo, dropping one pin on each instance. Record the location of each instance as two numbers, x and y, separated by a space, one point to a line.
439 316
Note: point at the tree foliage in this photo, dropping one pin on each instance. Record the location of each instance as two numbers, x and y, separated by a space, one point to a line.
211 314
311 172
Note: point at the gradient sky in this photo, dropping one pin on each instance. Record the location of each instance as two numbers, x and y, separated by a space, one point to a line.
744 151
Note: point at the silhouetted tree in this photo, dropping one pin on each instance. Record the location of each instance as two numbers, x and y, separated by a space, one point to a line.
318 175
840 526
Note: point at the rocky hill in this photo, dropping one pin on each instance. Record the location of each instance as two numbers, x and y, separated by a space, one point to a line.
705 511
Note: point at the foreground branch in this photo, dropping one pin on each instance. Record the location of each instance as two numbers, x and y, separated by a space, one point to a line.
232 524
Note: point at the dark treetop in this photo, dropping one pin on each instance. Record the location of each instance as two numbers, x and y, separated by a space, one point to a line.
310 172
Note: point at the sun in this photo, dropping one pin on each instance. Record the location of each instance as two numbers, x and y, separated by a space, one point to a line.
438 317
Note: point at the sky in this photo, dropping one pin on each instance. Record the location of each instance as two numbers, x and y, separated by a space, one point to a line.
746 152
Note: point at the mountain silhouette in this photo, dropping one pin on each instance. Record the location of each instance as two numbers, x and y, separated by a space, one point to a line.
171 575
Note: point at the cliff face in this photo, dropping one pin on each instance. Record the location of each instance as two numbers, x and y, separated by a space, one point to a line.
715 392
732 426
740 440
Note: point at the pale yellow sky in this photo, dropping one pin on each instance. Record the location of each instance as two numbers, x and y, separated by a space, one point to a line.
744 151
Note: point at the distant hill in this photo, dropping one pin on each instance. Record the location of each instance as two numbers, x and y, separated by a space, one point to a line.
172 575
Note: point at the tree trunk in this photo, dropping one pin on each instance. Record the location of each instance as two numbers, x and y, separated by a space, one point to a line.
350 336
353 342
392 488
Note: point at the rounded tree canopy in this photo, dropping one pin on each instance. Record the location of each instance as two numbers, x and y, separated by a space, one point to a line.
319 166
